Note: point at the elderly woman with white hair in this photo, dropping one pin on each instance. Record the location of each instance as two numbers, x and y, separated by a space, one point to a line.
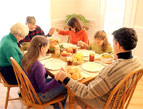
9 48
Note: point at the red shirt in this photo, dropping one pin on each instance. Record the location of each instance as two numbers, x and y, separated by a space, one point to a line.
74 37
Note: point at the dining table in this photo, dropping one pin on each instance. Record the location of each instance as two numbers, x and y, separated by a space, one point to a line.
87 76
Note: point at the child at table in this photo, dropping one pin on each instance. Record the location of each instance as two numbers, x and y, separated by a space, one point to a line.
47 89
100 44
76 32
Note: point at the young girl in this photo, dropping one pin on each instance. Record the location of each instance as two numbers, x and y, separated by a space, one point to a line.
100 44
47 89
76 32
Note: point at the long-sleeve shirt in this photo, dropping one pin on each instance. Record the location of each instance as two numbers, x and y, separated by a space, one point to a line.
37 31
98 49
74 37
37 78
107 79
9 48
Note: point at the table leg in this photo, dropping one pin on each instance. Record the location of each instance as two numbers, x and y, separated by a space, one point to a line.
71 100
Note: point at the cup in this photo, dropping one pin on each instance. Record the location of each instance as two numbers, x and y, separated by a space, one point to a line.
91 57
74 49
69 60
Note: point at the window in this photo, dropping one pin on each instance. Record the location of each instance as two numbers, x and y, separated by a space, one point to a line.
13 11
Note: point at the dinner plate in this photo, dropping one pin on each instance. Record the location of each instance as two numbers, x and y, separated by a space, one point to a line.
86 52
46 57
54 64
68 45
92 66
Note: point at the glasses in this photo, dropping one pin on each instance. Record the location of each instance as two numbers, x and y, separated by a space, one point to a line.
70 29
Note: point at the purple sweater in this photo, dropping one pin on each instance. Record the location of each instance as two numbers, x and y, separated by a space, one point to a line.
37 78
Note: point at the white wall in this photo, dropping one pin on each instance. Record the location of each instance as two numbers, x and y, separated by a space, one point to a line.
138 24
13 11
60 8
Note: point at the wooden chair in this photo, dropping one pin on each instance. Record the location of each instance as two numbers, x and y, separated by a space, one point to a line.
27 90
125 88
5 84
128 84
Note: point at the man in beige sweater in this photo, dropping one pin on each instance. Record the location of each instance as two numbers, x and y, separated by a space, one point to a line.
97 91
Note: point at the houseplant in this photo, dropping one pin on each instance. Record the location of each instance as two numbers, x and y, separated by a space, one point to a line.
79 16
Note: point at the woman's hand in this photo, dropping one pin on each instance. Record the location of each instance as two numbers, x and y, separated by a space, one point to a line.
61 75
82 44
57 30
51 31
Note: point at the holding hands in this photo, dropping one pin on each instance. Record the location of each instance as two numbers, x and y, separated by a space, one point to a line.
51 31
61 75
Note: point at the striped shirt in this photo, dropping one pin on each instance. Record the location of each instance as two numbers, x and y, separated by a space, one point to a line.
103 84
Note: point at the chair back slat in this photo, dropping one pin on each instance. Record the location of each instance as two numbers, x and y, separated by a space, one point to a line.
121 95
114 102
24 84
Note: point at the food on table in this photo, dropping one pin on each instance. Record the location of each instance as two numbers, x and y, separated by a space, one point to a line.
107 58
65 53
74 73
78 58
53 43
25 45
69 50
61 47
52 50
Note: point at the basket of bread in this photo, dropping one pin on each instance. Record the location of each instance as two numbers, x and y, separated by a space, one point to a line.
74 73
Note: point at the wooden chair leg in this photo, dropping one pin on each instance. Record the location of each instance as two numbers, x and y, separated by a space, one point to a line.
61 106
7 97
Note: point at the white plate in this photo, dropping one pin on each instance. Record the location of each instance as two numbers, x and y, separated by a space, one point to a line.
92 67
54 66
68 45
86 52
45 57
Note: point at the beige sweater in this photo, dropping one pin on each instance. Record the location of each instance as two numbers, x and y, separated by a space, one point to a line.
107 79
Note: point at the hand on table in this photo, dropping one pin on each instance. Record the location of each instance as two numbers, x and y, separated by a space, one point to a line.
61 75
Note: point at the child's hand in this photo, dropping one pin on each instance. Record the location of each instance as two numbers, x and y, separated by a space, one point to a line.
61 75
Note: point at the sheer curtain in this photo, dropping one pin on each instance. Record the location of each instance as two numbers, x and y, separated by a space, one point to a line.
13 11
114 15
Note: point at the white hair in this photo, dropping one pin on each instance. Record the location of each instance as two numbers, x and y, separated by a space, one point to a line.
19 29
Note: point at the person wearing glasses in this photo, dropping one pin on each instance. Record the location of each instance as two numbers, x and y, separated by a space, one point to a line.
76 32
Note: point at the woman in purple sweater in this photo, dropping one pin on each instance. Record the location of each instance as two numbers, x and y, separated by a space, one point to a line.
47 89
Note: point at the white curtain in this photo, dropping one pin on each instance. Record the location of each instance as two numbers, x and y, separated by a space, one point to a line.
13 11
114 15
